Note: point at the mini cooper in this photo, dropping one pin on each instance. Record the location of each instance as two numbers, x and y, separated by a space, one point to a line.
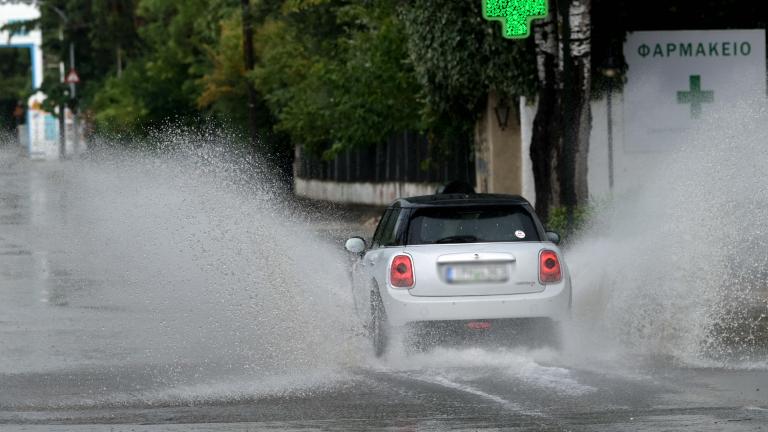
459 264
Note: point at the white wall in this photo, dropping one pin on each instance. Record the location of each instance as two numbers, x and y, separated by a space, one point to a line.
527 114
360 192
630 167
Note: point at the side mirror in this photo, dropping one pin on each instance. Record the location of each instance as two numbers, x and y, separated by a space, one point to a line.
553 237
355 245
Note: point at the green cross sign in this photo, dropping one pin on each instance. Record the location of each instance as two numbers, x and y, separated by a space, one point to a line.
695 96
515 15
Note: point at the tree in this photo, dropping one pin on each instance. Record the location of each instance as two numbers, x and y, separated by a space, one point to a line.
225 88
459 58
15 83
336 73
246 19
560 142
113 31
162 81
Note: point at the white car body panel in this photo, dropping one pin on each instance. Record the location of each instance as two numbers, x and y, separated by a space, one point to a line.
431 262
432 299
463 280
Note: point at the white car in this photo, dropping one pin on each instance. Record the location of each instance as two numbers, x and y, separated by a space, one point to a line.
462 263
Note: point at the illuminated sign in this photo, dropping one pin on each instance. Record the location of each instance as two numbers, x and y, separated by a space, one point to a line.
515 15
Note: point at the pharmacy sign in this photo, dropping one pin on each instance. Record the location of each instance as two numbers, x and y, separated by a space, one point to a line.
676 79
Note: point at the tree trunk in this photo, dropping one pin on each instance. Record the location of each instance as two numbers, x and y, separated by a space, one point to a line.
544 140
560 141
119 56
582 69
249 62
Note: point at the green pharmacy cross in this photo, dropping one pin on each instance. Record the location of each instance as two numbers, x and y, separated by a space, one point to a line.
695 96
515 15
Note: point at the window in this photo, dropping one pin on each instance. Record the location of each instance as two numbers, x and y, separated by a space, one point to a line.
472 225
389 230
380 228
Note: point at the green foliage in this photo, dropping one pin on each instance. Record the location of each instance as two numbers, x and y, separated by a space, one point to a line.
119 107
336 74
224 87
96 28
15 83
558 220
15 76
459 57
163 82
330 74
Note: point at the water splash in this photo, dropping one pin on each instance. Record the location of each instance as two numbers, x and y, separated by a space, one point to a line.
677 268
183 264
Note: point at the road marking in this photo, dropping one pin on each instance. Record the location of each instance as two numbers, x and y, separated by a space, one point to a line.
445 382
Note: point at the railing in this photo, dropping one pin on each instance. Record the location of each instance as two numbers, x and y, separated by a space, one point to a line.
405 157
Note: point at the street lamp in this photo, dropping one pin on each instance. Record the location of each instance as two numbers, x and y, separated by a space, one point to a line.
611 69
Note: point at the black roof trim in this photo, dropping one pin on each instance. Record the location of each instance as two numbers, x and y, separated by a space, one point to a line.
448 200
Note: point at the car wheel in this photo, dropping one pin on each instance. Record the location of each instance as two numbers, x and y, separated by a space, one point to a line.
379 329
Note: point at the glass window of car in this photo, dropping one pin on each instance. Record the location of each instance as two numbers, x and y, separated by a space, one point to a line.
380 228
472 225
389 229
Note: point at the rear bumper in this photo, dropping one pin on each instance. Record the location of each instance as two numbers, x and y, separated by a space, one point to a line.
402 308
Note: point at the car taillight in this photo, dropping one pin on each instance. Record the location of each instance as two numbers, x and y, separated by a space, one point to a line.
549 267
401 272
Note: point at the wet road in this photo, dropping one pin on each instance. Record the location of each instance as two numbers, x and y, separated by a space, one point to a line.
96 337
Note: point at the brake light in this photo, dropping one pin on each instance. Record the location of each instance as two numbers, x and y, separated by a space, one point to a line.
401 272
549 267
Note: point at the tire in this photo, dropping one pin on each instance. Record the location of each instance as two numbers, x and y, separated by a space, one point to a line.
379 328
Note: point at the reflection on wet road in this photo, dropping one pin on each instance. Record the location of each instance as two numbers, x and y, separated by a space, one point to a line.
143 298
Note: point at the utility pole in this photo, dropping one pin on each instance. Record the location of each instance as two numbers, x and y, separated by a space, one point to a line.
62 105
73 98
248 63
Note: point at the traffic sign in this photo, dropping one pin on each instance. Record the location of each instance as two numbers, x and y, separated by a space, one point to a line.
72 77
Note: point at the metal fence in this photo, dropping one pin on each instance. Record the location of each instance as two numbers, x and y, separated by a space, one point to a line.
405 157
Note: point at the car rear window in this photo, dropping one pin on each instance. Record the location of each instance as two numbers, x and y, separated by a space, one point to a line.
471 225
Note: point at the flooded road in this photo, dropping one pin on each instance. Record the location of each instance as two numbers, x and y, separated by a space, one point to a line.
161 296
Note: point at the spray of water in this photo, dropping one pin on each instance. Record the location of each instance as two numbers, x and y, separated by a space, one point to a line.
186 265
677 268
190 266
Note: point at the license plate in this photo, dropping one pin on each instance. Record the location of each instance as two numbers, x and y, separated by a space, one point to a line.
469 273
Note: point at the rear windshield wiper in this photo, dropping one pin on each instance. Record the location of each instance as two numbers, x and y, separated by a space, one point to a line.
457 239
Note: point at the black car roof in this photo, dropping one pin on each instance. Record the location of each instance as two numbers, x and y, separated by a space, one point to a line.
451 200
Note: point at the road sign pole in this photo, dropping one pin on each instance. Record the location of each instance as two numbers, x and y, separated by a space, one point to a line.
62 107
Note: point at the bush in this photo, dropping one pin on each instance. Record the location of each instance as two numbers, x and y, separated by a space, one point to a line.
558 220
